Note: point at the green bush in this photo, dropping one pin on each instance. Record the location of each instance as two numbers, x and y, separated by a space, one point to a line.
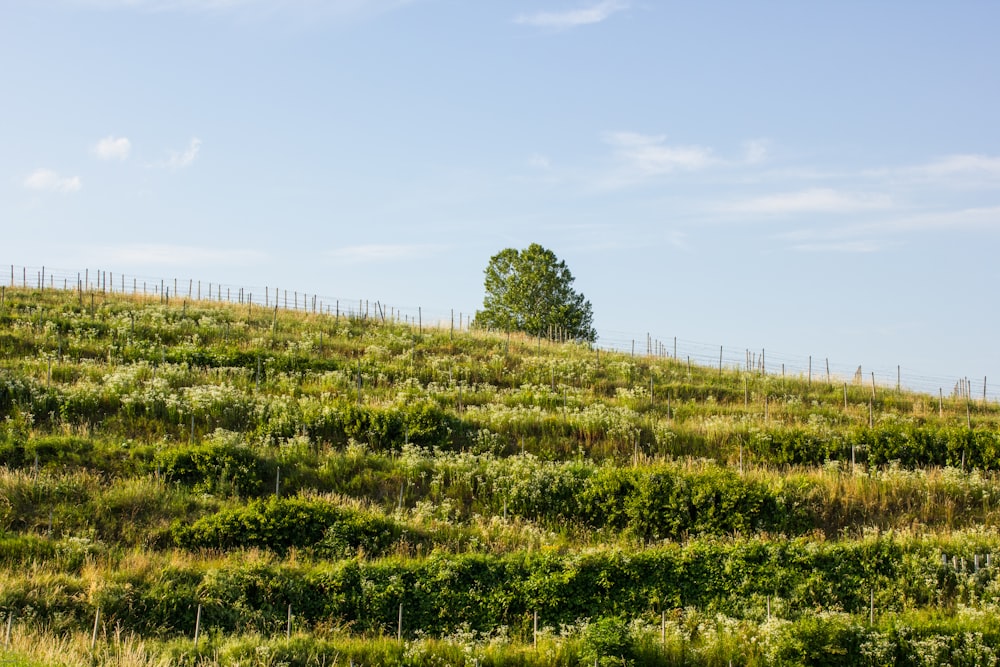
607 641
216 465
280 524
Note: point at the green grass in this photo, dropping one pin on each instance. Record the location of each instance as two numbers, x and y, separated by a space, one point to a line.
154 457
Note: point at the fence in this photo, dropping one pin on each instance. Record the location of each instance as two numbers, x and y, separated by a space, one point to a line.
169 290
762 361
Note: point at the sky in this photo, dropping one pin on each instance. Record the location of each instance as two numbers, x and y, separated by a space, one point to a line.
808 179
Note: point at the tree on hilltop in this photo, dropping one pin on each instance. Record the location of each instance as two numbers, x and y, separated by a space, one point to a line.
531 290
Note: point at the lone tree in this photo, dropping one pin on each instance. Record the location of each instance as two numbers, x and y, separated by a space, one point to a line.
531 290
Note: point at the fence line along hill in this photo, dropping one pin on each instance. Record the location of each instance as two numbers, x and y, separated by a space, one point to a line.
733 357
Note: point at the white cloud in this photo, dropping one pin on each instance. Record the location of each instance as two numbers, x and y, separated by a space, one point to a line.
181 159
46 180
813 200
650 155
539 161
573 17
963 165
677 239
174 255
860 246
962 171
364 254
871 236
987 217
113 148
755 151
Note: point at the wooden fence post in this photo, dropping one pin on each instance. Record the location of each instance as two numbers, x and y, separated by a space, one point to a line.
197 626
93 636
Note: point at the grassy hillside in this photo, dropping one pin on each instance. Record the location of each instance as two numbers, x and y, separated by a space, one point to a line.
167 469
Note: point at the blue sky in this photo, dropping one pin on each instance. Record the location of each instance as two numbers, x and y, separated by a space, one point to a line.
808 178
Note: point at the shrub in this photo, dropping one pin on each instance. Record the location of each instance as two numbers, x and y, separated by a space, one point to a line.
216 465
607 641
280 524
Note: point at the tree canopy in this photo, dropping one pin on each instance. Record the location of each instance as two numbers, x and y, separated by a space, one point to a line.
531 290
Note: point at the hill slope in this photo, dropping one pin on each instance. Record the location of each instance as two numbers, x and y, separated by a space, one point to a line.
194 467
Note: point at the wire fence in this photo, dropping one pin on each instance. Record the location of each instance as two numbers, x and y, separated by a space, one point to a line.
763 361
169 290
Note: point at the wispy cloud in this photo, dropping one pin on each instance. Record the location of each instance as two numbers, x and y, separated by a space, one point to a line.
962 171
389 252
539 161
181 159
638 159
113 148
981 218
46 180
875 235
963 165
174 255
677 239
573 17
755 151
812 200
651 155
859 246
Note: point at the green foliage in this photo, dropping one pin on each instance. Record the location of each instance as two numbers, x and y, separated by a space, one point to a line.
531 290
421 422
18 550
608 641
445 594
280 524
475 479
892 441
216 466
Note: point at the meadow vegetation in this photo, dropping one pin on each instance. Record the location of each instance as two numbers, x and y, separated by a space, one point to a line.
288 482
